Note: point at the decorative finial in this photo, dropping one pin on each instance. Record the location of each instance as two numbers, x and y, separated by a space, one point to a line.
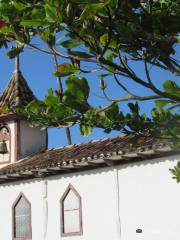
17 68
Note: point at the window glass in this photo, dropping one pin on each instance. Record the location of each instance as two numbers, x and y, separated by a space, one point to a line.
71 221
71 212
71 201
22 219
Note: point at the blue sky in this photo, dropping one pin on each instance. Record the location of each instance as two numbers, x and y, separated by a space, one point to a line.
37 69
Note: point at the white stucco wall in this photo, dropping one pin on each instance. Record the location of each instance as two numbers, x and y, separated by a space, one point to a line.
98 208
12 126
98 204
9 193
149 200
32 140
115 202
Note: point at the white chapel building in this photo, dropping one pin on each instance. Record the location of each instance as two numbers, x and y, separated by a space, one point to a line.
100 190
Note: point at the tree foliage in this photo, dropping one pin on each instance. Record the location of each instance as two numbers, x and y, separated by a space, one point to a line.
110 35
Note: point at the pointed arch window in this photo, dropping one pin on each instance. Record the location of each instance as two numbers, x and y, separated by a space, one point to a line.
22 219
71 212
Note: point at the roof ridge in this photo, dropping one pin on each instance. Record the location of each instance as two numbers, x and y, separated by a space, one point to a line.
123 136
87 142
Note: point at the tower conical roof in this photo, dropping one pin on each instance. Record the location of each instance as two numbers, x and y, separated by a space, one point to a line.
17 93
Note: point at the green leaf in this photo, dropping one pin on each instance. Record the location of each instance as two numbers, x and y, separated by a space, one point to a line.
14 52
5 30
65 69
81 54
52 101
104 75
38 13
76 94
19 6
78 87
163 103
50 92
176 173
34 23
134 107
75 102
171 88
51 13
113 111
104 38
84 1
71 43
35 106
7 11
85 129
47 36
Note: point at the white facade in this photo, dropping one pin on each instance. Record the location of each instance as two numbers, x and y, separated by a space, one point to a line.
32 140
116 201
24 141
149 200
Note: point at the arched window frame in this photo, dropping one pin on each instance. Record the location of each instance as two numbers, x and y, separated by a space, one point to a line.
80 232
7 127
21 195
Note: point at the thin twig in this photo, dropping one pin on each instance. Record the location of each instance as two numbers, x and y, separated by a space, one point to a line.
106 96
122 86
59 82
147 72
60 90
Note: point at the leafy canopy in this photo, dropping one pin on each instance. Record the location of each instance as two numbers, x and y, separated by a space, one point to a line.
110 35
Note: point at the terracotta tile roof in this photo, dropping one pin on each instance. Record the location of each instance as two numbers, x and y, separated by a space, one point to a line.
94 154
17 92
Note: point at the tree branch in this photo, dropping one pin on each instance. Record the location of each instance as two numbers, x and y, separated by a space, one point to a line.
67 56
128 98
122 86
139 98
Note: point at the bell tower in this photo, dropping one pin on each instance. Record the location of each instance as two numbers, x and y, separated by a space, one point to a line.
17 139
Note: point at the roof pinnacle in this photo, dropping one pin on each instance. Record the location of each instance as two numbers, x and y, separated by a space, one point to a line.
17 64
17 93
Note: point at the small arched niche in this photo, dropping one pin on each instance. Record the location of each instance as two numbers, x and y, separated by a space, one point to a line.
71 212
5 142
